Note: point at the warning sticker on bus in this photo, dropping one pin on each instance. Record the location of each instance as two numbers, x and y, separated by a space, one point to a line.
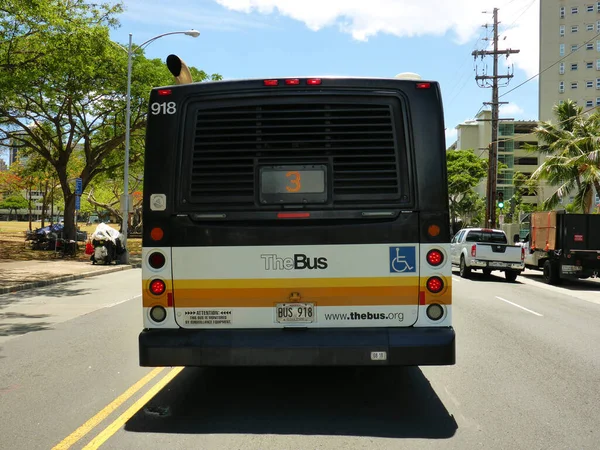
208 317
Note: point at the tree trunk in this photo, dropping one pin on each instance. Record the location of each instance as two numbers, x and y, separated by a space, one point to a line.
29 206
588 201
44 203
69 211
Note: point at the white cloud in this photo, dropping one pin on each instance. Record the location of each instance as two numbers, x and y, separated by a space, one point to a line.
524 35
451 134
462 19
511 110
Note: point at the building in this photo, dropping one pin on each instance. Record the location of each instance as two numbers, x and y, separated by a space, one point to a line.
569 30
512 137
3 166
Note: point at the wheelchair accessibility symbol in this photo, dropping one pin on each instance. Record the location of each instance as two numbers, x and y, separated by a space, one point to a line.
403 260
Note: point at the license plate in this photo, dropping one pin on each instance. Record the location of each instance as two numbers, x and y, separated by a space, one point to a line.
567 268
295 312
498 264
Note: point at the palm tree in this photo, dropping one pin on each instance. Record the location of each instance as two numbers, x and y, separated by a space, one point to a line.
573 149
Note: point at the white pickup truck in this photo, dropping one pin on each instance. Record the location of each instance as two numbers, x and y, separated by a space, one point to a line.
486 250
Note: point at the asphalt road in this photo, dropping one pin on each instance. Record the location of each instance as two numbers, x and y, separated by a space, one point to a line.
527 377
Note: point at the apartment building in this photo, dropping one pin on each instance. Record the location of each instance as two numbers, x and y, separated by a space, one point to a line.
512 137
570 48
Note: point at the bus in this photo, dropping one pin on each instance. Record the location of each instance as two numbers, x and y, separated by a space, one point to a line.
296 222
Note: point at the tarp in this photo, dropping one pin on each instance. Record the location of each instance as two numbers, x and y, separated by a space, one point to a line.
543 230
105 233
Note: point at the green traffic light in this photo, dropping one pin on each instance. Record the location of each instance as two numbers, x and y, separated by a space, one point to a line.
500 205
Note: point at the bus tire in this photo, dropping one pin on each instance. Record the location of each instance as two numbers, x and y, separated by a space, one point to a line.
511 275
465 271
551 275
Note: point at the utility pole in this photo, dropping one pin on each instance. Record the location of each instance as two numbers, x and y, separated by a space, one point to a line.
484 81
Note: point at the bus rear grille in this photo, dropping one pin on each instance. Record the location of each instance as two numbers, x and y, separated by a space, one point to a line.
355 140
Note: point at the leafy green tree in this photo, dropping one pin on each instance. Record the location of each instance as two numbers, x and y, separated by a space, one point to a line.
465 171
572 148
14 203
471 209
64 89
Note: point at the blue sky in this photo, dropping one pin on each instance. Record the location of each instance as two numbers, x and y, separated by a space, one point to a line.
380 38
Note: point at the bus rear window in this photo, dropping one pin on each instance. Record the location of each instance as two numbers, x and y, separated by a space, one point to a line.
330 152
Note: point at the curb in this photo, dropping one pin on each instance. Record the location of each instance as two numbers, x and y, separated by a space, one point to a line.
62 279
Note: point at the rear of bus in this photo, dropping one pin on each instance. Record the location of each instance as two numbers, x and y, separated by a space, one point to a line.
296 222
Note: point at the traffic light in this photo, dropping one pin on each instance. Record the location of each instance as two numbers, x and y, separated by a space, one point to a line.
501 200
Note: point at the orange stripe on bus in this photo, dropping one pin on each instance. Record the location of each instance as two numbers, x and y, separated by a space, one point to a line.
188 300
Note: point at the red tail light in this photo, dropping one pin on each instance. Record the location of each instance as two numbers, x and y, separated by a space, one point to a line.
435 257
302 215
156 260
435 284
522 254
158 287
474 251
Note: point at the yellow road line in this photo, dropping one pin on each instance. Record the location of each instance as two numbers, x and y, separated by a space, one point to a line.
132 410
108 410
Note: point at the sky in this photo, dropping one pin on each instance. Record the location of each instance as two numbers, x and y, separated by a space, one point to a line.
380 38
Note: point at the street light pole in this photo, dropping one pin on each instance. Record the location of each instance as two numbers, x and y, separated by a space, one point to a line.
125 225
126 165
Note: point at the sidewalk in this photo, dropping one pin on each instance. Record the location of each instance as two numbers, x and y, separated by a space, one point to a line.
19 275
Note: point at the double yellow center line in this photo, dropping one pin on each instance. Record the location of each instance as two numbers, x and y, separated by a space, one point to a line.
114 426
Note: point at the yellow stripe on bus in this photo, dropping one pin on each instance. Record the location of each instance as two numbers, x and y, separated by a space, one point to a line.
295 283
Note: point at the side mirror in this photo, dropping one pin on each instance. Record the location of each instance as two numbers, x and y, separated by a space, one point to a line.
516 238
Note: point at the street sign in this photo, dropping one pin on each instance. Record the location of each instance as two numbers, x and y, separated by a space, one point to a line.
129 203
78 186
77 203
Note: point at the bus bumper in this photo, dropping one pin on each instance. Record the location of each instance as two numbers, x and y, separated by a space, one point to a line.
298 347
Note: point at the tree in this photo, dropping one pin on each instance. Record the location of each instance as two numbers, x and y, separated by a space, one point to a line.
68 104
14 202
572 147
465 171
10 183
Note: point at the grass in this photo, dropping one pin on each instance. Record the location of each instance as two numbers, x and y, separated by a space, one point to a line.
13 246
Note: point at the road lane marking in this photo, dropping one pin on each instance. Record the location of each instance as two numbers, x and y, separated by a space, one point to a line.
105 434
123 301
519 306
108 410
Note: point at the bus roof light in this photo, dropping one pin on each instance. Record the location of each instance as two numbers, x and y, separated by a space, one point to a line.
164 92
271 82
313 81
423 85
292 81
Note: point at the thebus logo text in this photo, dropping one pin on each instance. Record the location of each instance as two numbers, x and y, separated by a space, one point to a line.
299 261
